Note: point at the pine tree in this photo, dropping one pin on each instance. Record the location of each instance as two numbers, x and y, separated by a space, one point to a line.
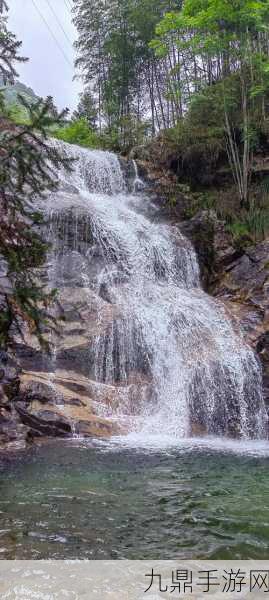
114 58
29 161
9 48
87 109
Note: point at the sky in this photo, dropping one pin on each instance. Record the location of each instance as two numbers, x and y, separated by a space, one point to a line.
50 70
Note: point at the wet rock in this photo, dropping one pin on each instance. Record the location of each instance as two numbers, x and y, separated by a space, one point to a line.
6 286
45 423
198 430
9 376
13 429
66 399
75 402
94 428
243 286
213 244
3 267
34 390
263 352
142 153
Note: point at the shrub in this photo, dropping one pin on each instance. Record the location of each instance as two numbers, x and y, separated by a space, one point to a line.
78 132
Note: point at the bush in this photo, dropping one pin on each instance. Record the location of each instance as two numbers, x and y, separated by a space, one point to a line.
78 132
199 151
17 113
253 227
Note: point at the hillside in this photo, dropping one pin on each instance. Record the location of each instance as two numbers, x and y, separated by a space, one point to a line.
11 92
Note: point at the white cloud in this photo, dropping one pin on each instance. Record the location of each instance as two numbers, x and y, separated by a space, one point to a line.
48 72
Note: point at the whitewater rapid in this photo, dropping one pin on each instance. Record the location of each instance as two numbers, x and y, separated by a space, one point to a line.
166 340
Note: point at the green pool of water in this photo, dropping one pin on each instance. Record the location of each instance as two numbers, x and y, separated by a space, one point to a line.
97 501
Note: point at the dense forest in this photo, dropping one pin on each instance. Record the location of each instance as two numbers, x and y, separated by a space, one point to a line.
194 74
149 66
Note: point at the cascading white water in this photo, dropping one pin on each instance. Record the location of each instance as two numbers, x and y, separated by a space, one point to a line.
165 340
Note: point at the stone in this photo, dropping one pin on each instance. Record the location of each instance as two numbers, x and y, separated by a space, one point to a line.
66 399
3 267
94 428
142 153
46 423
9 375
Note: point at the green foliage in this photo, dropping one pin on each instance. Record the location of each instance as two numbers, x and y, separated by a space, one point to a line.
28 169
9 49
250 228
125 134
87 109
117 64
199 148
18 114
119 138
225 46
28 165
200 201
78 132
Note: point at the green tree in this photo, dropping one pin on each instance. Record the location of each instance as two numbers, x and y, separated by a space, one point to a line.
115 60
28 167
87 109
78 132
9 48
224 42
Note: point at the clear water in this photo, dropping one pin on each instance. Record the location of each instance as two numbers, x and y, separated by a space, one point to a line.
121 500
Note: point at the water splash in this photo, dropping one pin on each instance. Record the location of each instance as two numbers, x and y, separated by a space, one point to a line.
167 349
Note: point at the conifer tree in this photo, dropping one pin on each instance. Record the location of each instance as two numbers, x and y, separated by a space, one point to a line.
29 161
87 109
114 58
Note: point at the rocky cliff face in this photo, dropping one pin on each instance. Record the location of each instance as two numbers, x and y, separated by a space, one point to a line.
239 278
243 285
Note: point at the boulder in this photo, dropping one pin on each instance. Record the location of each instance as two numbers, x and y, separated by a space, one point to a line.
95 428
53 405
44 423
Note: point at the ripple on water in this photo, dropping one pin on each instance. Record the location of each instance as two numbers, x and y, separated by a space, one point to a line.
188 499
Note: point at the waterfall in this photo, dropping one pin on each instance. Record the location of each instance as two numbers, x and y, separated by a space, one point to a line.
162 356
